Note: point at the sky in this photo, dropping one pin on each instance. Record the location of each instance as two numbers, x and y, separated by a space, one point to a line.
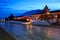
11 5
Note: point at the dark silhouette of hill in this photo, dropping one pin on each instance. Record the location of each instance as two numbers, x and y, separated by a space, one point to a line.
38 11
6 13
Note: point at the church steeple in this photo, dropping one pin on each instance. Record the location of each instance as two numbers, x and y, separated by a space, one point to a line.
46 9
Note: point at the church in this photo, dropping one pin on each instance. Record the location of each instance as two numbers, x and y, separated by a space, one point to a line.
46 14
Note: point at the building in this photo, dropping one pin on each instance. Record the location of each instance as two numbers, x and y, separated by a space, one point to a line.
46 14
39 16
22 18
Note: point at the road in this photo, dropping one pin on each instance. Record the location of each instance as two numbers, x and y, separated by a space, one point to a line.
31 32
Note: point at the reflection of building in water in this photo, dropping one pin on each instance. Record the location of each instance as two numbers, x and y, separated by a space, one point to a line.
56 32
28 32
48 32
52 33
29 28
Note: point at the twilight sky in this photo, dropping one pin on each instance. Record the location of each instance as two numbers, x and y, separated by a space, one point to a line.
29 4
8 5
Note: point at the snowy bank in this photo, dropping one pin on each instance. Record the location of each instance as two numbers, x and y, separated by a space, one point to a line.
18 22
40 22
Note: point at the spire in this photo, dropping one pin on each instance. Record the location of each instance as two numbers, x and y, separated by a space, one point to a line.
46 9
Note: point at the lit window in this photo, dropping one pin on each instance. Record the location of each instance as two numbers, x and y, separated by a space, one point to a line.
27 19
48 13
56 16
18 18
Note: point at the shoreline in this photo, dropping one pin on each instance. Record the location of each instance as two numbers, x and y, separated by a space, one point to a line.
55 25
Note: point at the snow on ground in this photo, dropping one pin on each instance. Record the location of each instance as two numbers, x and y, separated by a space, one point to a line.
44 22
40 22
36 22
19 22
52 21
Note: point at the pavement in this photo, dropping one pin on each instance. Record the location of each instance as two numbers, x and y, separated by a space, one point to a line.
4 35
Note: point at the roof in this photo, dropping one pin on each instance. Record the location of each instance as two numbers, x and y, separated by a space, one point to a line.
54 11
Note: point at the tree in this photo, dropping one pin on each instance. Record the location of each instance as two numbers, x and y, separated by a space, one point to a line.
11 17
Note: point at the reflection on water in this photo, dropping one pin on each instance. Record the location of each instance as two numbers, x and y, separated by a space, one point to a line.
31 32
29 28
48 32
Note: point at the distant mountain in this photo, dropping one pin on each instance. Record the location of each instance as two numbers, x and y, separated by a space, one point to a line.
38 11
6 13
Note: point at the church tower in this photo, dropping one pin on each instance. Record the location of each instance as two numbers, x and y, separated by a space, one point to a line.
46 10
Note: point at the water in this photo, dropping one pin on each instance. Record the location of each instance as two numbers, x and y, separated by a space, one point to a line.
31 32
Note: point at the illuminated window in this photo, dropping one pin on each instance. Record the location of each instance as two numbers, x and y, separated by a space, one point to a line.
48 13
18 18
56 16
